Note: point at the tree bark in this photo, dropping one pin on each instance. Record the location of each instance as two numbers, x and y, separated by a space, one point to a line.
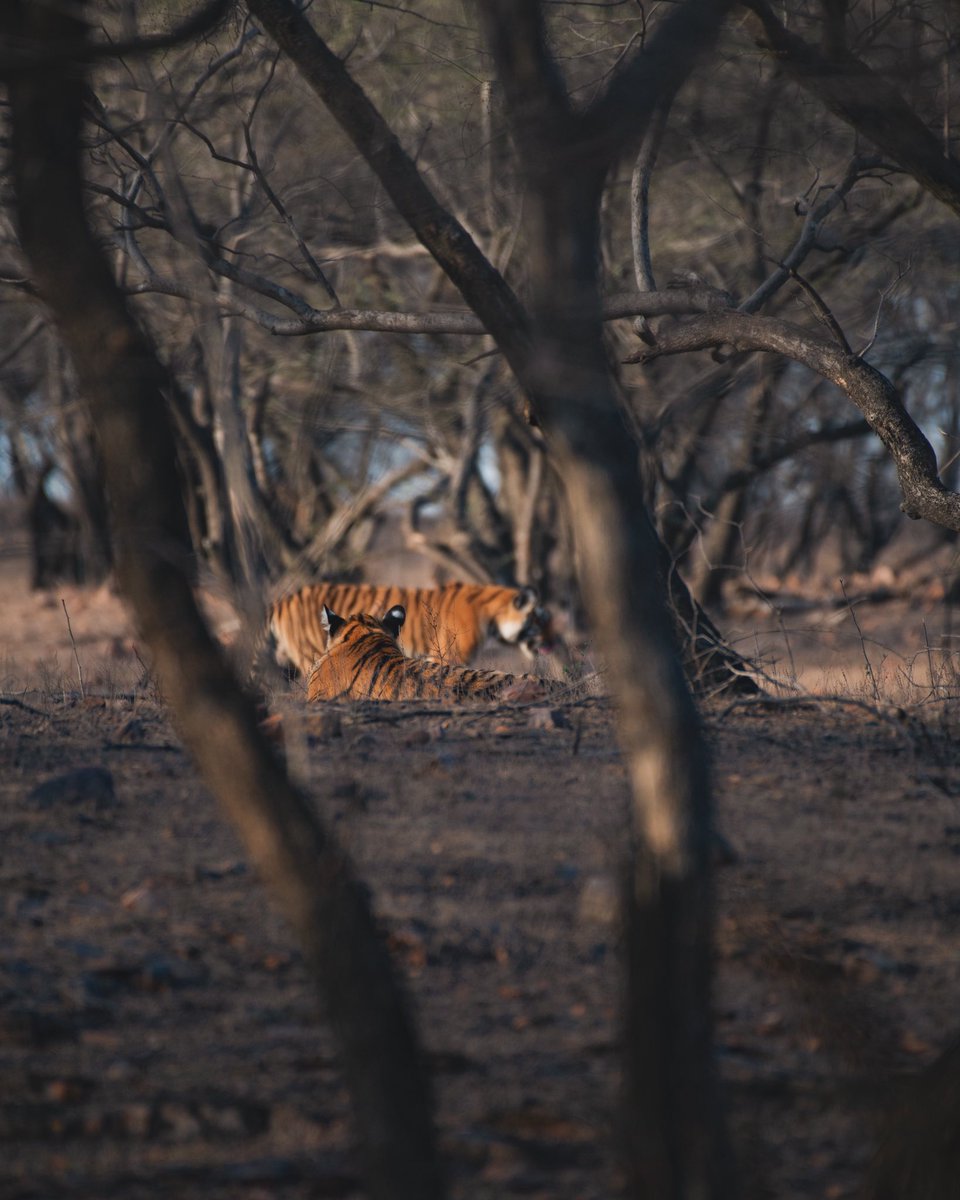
675 1137
123 384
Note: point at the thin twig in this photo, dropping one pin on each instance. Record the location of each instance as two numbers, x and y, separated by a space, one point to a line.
823 311
786 642
863 646
73 642
926 642
876 320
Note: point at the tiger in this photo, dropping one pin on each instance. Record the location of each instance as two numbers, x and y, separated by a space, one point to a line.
363 661
449 623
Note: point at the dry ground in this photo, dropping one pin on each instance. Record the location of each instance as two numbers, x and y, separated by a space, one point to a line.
157 1034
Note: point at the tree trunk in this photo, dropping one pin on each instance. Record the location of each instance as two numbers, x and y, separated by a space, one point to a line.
122 382
674 1128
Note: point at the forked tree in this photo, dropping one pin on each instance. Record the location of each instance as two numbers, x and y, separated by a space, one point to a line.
674 1125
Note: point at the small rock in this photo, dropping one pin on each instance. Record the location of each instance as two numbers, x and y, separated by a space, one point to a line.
142 899
883 576
522 691
132 730
221 870
179 1124
418 737
86 785
547 718
599 901
325 724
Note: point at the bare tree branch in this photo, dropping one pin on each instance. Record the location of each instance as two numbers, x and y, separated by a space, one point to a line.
816 215
640 200
316 271
865 100
29 54
822 310
761 463
309 559
924 495
464 322
27 336
651 78
480 284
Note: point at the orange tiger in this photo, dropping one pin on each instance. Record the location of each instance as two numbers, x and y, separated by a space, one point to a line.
448 623
363 661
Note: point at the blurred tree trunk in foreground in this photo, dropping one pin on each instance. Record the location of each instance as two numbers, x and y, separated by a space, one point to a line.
123 383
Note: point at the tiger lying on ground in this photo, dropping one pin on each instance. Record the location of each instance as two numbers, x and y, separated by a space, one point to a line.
363 661
448 623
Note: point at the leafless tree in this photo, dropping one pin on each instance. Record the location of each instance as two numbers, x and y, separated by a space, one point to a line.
124 385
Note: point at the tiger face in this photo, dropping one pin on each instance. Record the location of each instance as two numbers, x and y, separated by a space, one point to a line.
363 661
514 620
536 634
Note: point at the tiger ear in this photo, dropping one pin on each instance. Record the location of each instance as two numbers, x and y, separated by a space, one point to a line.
393 621
331 623
526 598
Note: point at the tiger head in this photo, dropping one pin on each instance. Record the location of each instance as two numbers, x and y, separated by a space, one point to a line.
523 622
358 649
346 629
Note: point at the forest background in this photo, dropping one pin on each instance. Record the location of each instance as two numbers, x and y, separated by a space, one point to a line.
335 395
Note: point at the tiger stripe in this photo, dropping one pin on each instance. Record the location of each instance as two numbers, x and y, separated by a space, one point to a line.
363 661
449 623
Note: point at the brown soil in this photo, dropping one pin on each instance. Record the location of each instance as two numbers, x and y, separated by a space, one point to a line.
158 1036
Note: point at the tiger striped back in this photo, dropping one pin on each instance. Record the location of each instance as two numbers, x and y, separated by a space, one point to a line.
363 661
449 624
